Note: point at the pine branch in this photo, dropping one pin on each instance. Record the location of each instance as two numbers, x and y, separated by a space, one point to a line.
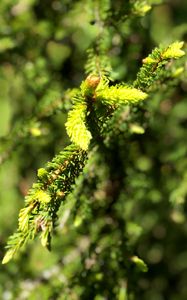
55 181
44 198
154 66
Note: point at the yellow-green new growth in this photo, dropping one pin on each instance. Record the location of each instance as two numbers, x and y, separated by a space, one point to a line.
139 263
41 196
94 90
42 173
12 251
76 127
141 7
24 217
174 51
44 198
120 95
154 66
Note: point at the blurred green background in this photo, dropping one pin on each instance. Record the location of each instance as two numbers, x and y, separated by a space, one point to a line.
42 54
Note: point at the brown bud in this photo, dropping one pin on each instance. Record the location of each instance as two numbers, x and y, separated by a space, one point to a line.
92 81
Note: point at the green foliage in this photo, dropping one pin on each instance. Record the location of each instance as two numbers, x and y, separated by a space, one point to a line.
152 69
111 206
119 95
76 127
44 198
96 91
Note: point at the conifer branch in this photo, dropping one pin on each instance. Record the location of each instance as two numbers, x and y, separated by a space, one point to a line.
44 198
154 66
86 117
125 142
55 181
